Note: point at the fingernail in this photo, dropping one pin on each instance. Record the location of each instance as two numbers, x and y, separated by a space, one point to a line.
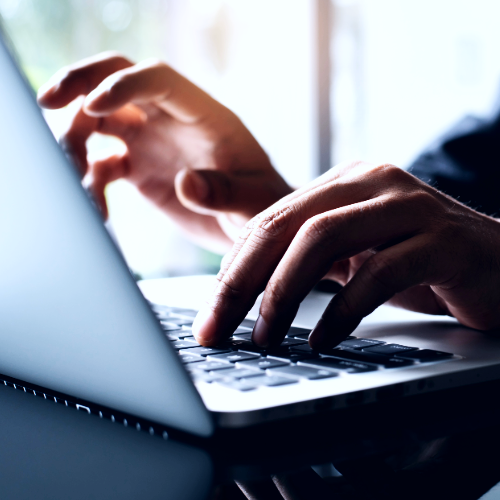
204 326
260 334
199 185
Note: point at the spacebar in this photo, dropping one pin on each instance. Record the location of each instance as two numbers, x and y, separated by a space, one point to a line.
376 359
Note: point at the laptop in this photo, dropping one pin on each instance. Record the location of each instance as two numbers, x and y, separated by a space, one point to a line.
76 329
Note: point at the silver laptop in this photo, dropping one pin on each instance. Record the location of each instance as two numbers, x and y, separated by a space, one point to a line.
75 327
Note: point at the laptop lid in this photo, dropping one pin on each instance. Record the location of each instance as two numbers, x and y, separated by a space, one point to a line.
71 317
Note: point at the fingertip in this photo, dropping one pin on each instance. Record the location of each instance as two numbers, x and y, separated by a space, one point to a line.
45 95
204 327
317 337
328 334
260 334
193 186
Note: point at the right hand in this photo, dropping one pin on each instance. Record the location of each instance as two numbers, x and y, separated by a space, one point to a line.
186 152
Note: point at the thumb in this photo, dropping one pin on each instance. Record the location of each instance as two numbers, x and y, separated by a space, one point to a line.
211 192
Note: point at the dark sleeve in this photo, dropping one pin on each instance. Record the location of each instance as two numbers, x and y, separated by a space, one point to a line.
465 164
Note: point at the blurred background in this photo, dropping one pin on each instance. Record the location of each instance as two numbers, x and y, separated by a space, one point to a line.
316 81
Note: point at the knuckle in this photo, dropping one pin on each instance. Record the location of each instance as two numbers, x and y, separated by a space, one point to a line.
248 229
274 225
343 307
389 173
419 200
317 229
423 200
228 289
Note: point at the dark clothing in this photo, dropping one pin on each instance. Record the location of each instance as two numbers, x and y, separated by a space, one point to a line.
465 164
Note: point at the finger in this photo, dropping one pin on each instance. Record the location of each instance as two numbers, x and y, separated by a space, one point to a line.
324 239
104 171
124 124
79 79
153 81
395 269
257 252
246 194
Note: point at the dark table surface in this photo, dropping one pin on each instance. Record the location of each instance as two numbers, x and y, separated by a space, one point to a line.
442 447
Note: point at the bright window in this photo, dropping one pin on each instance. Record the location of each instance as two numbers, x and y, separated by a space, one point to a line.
401 72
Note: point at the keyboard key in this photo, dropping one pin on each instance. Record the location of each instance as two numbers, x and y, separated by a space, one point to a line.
239 384
208 366
190 337
339 364
389 349
164 315
236 343
303 372
293 357
206 351
304 348
247 384
367 357
296 331
244 336
189 358
288 342
237 373
251 347
171 336
275 380
425 355
168 326
208 377
359 343
262 363
184 344
184 312
181 321
184 333
233 357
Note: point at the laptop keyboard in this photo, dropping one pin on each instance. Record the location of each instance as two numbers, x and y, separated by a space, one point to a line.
239 364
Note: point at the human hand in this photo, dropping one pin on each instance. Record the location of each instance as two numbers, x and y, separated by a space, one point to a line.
187 153
384 234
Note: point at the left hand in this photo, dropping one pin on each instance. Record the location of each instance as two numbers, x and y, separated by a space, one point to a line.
185 152
378 230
